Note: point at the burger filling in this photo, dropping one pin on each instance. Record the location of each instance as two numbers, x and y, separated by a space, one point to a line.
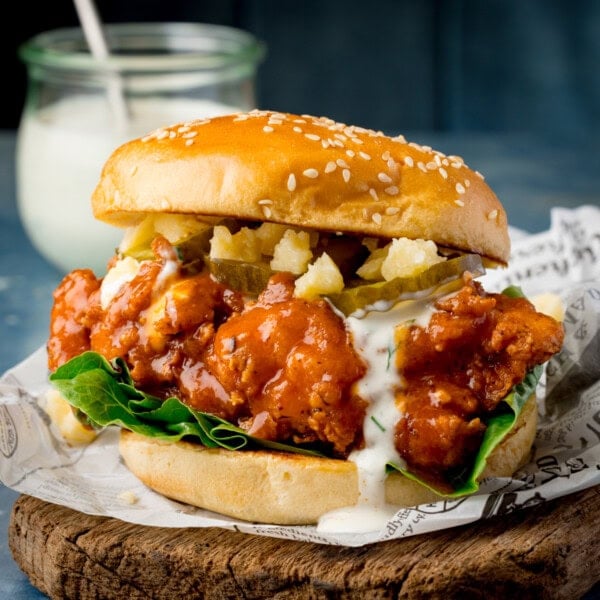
253 323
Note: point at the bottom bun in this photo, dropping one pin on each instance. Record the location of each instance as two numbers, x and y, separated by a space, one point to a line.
286 489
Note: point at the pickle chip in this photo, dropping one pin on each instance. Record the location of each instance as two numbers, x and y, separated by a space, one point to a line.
352 299
248 278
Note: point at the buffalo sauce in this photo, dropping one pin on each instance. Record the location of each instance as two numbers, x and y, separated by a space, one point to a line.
280 367
293 363
457 368
289 369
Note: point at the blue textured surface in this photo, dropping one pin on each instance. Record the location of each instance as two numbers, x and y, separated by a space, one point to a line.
529 175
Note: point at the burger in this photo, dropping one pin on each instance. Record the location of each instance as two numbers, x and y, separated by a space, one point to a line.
293 322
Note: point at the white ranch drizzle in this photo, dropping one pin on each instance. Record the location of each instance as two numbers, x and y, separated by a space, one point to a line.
373 335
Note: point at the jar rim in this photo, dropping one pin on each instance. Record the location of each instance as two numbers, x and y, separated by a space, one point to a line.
195 46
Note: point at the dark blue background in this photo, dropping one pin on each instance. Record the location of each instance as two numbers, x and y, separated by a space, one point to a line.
441 65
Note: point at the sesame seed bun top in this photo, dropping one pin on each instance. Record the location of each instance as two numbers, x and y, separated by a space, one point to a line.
304 171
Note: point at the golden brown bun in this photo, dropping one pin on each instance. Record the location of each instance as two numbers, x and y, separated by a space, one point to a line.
303 171
285 489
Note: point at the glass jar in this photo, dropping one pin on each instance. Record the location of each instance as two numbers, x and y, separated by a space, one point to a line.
78 109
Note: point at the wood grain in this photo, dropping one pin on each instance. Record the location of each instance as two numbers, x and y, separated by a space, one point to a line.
548 551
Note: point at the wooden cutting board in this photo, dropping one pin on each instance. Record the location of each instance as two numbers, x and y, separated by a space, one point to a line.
548 551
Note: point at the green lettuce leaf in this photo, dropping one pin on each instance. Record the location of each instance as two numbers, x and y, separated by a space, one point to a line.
105 394
498 424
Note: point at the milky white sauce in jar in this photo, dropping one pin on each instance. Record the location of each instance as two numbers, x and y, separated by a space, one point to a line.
79 109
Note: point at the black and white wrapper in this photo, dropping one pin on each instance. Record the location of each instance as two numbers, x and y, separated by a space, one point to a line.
565 260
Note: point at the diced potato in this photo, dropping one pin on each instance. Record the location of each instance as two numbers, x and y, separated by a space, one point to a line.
243 245
406 258
371 268
292 253
549 304
136 240
268 235
323 277
178 228
61 413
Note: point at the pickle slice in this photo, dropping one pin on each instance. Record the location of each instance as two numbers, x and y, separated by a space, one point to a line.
195 246
352 299
248 278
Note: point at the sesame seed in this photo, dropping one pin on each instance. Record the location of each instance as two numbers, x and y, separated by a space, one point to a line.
392 210
330 167
299 121
339 136
443 172
408 161
459 202
460 188
384 178
342 163
364 155
492 215
373 194
297 129
133 170
376 217
338 143
351 153
391 163
241 117
161 135
357 140
432 165
467 183
437 160
386 155
422 166
267 212
479 175
265 201
291 182
172 135
456 164
400 138
312 136
346 175
311 173
325 143
391 191
189 142
191 134
183 129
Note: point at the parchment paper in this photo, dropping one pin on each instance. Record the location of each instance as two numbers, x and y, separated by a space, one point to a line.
566 260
